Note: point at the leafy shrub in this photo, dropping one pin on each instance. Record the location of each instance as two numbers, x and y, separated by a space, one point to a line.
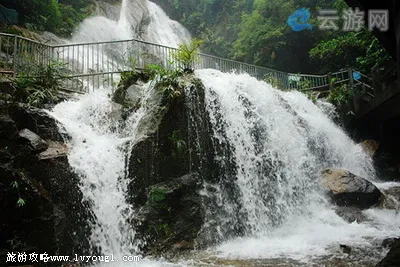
40 86
340 95
188 54
165 80
272 80
178 142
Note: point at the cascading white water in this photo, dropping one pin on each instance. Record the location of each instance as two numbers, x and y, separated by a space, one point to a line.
98 146
164 31
140 19
96 154
280 143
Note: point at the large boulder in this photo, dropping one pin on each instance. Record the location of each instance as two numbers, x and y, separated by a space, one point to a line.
168 166
348 189
173 214
41 206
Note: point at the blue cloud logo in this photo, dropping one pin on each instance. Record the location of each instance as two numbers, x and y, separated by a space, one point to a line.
356 75
298 20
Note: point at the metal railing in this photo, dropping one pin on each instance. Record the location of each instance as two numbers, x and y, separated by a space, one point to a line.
86 66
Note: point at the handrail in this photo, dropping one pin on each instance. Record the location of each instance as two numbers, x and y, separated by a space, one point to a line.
91 59
23 38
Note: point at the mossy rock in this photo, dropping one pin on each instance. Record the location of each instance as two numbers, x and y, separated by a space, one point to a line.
158 194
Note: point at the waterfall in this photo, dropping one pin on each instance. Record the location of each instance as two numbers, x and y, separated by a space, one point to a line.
164 31
98 144
271 147
277 143
98 147
96 153
140 19
280 142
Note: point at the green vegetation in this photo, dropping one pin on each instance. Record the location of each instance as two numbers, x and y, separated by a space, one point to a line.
20 201
37 87
166 80
359 50
157 194
57 16
188 54
178 142
340 95
256 32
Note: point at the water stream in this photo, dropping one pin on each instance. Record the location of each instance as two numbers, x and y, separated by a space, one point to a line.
278 142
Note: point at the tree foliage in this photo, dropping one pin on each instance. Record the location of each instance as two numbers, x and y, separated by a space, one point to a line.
256 31
57 16
359 50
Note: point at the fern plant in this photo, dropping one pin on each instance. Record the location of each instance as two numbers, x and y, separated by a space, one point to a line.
188 54
178 142
166 80
39 86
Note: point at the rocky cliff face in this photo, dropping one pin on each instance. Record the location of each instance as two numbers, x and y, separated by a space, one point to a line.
168 166
41 204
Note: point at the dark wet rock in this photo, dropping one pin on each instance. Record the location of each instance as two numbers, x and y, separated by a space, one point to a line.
34 141
8 129
173 213
392 258
350 214
36 120
370 146
128 97
345 248
347 189
51 218
389 242
129 91
168 165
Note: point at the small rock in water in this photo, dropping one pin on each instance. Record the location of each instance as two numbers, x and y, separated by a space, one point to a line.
351 214
345 249
389 242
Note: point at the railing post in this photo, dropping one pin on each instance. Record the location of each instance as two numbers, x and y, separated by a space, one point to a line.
374 80
15 56
356 93
329 75
351 81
